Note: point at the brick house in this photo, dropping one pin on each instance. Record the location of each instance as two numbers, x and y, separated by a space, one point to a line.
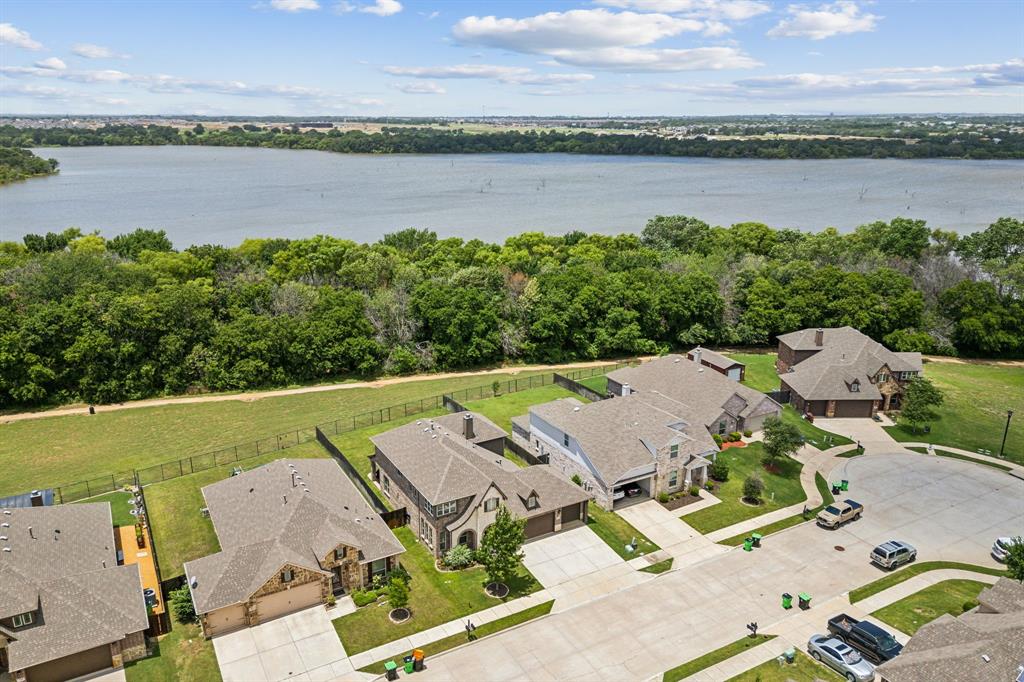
451 476
67 607
292 533
840 372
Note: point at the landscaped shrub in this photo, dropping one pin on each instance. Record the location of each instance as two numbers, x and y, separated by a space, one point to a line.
753 486
663 497
968 605
459 556
577 480
398 593
747 433
331 600
181 605
717 439
364 597
400 571
735 437
719 471
695 490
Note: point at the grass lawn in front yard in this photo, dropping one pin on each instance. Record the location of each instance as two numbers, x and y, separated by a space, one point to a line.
182 655
790 521
955 455
442 645
120 506
781 489
659 567
803 669
874 587
973 414
819 438
180 532
949 596
435 597
715 657
617 532
760 372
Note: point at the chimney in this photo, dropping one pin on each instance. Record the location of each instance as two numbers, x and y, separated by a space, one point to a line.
696 355
467 426
819 337
626 390
36 498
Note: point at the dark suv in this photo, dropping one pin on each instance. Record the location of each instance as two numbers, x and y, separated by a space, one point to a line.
875 643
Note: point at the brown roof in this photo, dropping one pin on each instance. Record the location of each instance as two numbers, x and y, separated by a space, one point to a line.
844 356
67 567
285 512
715 359
974 646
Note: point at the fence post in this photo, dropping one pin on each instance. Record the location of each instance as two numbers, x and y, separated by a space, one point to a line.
88 490
113 483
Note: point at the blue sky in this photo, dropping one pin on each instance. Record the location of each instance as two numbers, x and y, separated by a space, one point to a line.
433 57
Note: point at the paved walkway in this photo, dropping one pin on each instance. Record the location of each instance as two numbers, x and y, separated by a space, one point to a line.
677 540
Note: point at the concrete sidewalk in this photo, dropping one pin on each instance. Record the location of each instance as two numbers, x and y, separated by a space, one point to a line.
1017 469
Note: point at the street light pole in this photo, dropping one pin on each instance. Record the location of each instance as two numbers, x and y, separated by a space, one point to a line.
1009 413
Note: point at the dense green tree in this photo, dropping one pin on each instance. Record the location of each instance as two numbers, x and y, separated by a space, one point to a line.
131 244
500 549
781 439
920 398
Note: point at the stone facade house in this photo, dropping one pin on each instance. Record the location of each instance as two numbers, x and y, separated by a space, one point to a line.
840 372
67 607
451 476
292 532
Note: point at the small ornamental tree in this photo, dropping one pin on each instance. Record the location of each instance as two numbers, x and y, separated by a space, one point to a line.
181 605
753 486
919 399
501 548
1015 559
781 439
398 593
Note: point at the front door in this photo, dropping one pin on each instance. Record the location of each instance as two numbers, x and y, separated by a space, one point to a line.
336 585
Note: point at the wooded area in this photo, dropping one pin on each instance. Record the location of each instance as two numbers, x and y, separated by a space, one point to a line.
19 164
83 318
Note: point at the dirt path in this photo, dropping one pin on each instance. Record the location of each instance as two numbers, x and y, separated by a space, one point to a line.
259 395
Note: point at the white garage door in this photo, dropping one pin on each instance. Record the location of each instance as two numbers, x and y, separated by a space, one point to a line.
287 601
734 373
225 620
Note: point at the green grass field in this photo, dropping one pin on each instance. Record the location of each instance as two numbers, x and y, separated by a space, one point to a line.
949 596
789 521
804 669
742 462
956 455
726 652
973 414
180 532
760 372
182 655
53 451
120 506
876 586
818 437
434 598
598 383
617 532
501 409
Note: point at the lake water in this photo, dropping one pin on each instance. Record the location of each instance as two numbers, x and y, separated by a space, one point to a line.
223 195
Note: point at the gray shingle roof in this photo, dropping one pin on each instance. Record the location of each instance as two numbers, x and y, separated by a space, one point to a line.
715 359
265 518
86 599
845 355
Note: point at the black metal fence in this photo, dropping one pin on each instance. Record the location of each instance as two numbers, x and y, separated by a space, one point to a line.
579 389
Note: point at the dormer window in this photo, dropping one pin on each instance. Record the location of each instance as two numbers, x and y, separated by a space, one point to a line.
532 502
22 619
855 386
882 377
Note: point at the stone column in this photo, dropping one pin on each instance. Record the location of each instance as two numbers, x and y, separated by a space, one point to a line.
558 519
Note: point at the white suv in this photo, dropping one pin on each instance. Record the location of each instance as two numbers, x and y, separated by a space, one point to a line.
1001 548
893 553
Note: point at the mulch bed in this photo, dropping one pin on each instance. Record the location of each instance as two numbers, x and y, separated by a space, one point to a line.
679 502
497 590
400 615
736 444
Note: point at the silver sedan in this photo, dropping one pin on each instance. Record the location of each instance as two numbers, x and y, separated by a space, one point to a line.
842 658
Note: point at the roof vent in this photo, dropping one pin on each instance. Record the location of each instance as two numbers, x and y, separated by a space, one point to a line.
676 360
7 549
3 538
7 512
985 658
5 525
194 583
576 409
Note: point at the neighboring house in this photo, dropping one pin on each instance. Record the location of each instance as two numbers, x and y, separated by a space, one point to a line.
839 372
451 476
640 440
986 643
733 369
67 608
292 533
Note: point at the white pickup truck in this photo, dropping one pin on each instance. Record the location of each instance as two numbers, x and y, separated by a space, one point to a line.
838 513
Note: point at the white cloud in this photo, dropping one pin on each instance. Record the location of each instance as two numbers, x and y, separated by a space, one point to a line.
45 92
52 63
634 60
294 5
422 88
90 51
12 35
734 10
382 8
516 75
840 17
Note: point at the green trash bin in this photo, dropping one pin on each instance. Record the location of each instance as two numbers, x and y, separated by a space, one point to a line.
409 666
748 545
805 600
787 600
756 538
845 485
391 670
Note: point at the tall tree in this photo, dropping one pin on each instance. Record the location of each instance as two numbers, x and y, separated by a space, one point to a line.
919 400
781 439
501 548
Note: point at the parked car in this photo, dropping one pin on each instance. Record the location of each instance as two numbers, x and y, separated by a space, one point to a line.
1001 548
632 489
841 658
872 641
838 513
892 554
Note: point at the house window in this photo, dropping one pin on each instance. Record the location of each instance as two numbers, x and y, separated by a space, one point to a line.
491 504
721 428
386 483
339 554
673 478
882 377
287 576
444 509
565 439
855 387
531 502
378 567
427 507
442 538
22 619
673 451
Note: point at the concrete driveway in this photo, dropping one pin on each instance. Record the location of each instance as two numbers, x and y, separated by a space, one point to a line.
568 555
301 646
948 509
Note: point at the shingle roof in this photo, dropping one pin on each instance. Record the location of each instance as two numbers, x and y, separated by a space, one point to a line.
952 649
715 359
285 512
845 355
86 599
613 432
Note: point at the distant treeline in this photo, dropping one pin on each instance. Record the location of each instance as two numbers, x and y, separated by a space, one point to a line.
434 141
18 164
84 318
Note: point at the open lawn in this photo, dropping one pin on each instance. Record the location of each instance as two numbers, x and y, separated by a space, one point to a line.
120 507
442 645
803 669
598 383
182 655
180 532
760 372
789 521
973 414
715 657
53 451
502 408
781 489
949 596
434 598
956 455
910 571
819 438
617 532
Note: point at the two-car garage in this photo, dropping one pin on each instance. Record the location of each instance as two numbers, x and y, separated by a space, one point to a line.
75 665
543 524
267 607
